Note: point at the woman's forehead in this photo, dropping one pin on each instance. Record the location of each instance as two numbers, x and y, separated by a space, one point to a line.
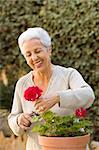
32 45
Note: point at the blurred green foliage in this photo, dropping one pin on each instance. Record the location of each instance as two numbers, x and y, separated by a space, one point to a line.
73 27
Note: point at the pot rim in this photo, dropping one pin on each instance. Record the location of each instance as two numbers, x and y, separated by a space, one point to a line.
75 137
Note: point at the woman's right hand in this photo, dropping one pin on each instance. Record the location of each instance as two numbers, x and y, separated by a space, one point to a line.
24 121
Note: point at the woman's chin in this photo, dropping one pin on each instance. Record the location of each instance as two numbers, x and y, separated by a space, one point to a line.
40 68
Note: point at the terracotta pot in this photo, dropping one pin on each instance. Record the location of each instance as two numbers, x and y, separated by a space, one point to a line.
64 143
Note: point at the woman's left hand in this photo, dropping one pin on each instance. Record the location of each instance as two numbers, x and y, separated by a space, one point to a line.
44 104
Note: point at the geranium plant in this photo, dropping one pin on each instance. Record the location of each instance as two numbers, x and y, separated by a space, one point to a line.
64 126
77 124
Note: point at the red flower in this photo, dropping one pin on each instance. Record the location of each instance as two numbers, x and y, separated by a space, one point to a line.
81 112
32 93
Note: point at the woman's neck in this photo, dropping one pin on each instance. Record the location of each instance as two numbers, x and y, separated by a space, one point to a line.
42 78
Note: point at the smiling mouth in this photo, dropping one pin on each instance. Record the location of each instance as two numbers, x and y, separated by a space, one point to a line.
38 64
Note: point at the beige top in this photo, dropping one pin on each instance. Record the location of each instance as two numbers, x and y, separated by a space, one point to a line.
67 82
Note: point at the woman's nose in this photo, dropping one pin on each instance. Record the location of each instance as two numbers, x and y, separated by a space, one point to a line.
34 56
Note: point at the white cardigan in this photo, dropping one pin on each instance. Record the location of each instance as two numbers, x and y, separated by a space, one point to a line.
74 92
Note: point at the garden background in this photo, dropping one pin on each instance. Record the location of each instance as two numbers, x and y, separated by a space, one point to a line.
74 29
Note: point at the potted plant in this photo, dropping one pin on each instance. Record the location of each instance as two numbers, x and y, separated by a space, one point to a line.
63 132
60 132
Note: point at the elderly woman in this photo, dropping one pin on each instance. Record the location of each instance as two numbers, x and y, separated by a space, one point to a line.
64 89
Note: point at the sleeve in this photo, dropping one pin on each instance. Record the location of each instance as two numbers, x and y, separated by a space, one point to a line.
15 112
80 93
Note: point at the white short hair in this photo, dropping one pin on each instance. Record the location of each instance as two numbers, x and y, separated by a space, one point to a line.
35 32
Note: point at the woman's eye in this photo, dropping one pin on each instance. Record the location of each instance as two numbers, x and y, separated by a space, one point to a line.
27 55
38 51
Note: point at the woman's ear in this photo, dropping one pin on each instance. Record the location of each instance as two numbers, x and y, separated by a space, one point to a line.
50 50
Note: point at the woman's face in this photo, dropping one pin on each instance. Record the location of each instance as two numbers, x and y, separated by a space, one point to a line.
36 55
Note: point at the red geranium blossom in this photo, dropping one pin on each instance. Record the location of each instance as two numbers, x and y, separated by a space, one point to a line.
81 112
32 93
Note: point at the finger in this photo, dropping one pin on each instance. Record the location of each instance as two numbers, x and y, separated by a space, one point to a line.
46 107
25 121
41 109
24 127
28 117
38 101
39 106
